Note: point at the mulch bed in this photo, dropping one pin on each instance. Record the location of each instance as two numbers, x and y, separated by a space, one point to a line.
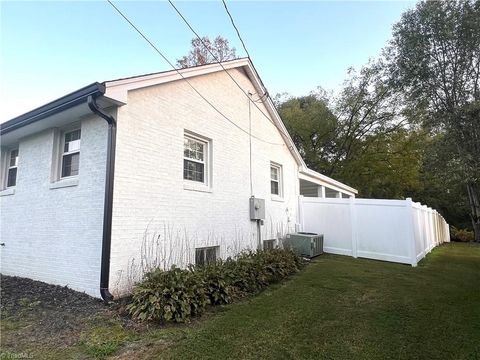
56 312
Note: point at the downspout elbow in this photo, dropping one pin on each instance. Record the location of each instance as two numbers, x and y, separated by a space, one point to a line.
92 104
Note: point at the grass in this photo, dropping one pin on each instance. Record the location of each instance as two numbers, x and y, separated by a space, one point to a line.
344 308
337 308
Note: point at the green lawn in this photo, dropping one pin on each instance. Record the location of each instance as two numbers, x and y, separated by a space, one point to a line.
344 308
337 308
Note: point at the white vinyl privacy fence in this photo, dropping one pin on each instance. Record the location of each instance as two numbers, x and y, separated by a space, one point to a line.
392 230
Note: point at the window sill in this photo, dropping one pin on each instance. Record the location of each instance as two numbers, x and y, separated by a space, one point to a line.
64 183
197 187
7 192
277 198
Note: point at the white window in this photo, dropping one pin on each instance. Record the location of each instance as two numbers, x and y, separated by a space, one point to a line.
206 255
195 159
12 166
70 159
276 179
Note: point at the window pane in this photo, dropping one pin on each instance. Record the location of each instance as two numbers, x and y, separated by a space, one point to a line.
12 177
274 187
199 256
14 157
72 135
193 149
211 255
273 173
70 165
72 141
193 171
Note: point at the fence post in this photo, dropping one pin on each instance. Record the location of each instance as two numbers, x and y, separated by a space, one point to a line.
410 231
301 220
354 224
421 226
448 231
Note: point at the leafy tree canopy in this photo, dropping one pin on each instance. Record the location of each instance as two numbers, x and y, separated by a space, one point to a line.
202 50
434 58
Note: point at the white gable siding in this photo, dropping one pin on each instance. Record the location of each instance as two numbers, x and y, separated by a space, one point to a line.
55 235
149 196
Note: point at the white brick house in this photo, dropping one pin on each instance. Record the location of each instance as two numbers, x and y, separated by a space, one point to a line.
173 189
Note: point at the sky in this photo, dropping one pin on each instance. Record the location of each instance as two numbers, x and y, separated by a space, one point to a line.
49 49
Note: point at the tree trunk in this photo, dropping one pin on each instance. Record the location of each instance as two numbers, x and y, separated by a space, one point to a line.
474 200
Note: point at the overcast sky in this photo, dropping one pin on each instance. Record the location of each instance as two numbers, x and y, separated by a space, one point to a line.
51 48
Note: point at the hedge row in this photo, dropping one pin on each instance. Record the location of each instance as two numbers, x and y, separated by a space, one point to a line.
178 294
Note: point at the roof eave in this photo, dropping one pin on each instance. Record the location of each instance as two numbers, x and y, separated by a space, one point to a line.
65 102
323 178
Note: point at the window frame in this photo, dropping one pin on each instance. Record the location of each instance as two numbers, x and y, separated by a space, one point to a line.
279 179
206 162
271 244
10 167
63 153
204 249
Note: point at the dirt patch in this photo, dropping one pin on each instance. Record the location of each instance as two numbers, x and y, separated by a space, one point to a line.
35 312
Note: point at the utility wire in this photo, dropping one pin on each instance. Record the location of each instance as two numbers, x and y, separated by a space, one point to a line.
235 27
183 77
243 43
266 95
220 63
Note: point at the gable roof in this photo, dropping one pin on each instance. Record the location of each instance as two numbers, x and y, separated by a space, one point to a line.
118 90
115 92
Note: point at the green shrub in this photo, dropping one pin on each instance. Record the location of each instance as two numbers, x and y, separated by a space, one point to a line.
252 271
217 283
177 294
279 264
245 273
173 295
462 235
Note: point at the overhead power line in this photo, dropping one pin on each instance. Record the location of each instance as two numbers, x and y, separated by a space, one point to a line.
236 29
224 69
181 75
243 43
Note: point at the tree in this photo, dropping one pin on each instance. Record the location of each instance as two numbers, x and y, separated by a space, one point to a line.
365 108
329 131
312 126
357 137
398 163
440 182
435 59
388 165
202 50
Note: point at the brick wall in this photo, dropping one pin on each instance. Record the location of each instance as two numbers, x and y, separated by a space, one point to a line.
154 216
55 235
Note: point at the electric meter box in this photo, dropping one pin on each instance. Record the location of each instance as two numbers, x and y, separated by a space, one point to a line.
257 208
